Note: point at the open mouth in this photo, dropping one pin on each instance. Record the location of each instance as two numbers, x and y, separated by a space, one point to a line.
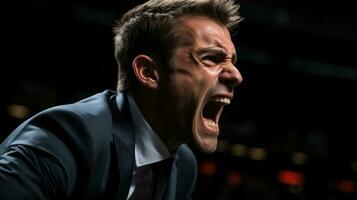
211 113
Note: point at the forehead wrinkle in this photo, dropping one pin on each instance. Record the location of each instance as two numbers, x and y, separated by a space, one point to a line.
184 35
216 42
196 37
219 48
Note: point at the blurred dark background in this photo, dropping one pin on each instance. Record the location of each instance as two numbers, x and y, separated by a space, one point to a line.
289 134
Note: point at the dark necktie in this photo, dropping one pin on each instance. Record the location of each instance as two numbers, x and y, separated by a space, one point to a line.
161 172
175 178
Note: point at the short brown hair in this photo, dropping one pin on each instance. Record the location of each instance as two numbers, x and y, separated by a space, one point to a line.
148 29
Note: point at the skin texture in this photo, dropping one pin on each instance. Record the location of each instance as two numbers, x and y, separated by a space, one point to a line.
203 71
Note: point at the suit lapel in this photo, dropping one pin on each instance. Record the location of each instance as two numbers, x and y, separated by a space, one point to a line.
123 141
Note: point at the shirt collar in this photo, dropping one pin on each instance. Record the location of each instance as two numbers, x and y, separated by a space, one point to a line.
149 148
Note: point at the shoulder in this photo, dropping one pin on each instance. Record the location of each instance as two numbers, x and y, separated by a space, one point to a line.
83 125
88 107
72 136
89 111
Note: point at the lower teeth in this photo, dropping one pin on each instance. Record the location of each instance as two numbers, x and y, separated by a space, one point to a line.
211 123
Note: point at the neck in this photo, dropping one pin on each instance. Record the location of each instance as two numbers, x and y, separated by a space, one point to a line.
151 108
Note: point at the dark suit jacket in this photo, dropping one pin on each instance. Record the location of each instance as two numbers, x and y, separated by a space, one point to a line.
83 150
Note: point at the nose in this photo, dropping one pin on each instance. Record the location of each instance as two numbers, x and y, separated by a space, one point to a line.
230 77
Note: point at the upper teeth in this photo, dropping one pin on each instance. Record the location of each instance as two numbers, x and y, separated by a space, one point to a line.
223 100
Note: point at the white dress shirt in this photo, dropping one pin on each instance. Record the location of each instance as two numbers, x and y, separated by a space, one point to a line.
149 149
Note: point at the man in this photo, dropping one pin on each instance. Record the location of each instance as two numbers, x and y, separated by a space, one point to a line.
176 73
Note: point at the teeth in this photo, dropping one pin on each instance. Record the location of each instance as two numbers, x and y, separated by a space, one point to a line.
223 100
211 123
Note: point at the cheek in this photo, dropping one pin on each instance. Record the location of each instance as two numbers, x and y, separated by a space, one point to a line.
196 82
184 86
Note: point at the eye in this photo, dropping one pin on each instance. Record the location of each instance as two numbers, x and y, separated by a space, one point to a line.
210 60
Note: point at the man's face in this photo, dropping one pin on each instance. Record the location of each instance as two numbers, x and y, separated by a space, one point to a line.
202 81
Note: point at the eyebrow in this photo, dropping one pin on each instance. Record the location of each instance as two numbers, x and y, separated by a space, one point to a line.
218 50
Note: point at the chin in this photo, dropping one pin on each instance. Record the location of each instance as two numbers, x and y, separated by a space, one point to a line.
205 141
208 146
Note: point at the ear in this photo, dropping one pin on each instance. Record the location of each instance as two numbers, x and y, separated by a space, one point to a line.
146 72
